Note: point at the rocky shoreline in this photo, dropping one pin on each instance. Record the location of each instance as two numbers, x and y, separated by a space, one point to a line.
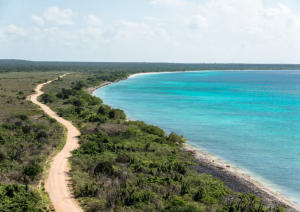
238 181
91 90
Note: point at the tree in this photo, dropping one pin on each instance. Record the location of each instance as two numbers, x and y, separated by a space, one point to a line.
2 139
79 85
117 114
105 167
2 157
154 130
174 138
104 110
79 102
32 170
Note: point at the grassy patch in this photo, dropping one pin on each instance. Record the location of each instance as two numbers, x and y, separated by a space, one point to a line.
14 89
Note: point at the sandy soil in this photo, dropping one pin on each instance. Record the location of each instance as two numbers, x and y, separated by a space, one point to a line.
57 182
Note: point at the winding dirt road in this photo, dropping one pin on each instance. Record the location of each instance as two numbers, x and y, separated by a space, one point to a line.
57 182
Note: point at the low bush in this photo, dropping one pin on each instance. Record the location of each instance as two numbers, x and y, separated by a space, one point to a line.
32 170
48 98
20 198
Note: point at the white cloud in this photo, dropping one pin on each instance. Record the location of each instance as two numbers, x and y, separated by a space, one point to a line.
2 36
12 33
198 22
58 16
90 36
51 31
250 20
172 2
152 19
135 34
92 20
279 10
37 20
127 24
15 31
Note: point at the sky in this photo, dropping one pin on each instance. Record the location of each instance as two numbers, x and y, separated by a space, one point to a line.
178 31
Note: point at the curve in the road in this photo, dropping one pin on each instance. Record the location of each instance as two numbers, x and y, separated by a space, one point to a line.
57 183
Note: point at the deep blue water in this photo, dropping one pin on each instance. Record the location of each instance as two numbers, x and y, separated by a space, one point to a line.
249 119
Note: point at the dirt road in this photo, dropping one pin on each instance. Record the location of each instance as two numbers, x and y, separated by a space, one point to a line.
57 182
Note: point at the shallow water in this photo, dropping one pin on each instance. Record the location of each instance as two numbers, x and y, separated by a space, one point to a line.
249 119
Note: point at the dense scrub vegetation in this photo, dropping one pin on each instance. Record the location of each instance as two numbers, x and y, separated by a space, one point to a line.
24 147
127 165
103 67
15 197
26 142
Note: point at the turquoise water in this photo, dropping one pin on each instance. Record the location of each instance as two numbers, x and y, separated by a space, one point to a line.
249 119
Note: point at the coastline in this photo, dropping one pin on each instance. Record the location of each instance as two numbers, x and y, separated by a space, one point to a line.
91 90
236 180
233 177
167 72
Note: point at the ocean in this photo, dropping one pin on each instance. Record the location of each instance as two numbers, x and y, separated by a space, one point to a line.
248 119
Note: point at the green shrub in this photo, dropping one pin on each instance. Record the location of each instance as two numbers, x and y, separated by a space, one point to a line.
2 139
41 134
188 208
88 190
79 102
96 118
67 112
20 198
104 110
2 156
90 147
124 158
95 101
79 85
154 130
174 138
130 133
48 98
208 200
117 114
22 117
26 129
32 170
8 126
105 167
178 202
52 120
199 194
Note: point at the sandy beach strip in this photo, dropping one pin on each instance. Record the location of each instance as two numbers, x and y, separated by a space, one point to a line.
234 178
167 72
91 90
